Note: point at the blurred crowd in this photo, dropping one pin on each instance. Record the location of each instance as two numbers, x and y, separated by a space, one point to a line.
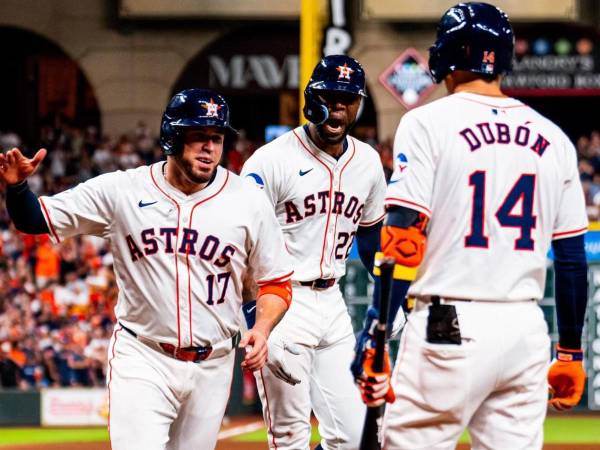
56 301
588 153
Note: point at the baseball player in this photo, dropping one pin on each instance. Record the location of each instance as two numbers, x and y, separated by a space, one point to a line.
488 185
326 189
183 233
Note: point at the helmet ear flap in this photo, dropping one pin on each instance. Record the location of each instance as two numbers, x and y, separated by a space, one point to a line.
171 139
314 110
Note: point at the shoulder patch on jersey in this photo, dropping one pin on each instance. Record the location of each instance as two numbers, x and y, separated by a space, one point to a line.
257 179
402 162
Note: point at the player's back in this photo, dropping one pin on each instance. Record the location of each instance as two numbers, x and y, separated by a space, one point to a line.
499 182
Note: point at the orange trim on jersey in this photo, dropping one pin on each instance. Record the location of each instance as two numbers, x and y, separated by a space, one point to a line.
373 222
573 232
51 226
521 105
110 375
408 203
276 280
330 200
338 215
187 255
270 424
174 250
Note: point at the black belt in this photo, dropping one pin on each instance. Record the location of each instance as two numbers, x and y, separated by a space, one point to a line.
319 284
193 354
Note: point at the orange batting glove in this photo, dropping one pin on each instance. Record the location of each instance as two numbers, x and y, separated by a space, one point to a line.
375 387
566 378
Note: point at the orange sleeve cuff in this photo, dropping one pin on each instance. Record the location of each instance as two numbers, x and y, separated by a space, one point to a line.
281 290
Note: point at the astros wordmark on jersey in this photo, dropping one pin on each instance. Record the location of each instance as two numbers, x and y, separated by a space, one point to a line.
327 198
477 146
179 270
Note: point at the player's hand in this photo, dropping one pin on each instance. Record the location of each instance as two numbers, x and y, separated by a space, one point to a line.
375 387
276 359
566 379
376 390
255 344
15 167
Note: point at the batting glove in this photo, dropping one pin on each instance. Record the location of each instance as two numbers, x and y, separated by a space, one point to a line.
375 387
276 348
364 341
276 361
566 379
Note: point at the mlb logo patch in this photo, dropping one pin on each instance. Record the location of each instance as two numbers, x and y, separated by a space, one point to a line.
212 108
345 72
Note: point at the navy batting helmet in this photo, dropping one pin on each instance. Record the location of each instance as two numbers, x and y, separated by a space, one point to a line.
333 73
192 108
475 37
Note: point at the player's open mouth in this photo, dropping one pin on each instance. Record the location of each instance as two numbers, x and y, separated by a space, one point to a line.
204 161
333 126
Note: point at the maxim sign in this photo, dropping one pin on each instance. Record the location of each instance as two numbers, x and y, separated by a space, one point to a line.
253 71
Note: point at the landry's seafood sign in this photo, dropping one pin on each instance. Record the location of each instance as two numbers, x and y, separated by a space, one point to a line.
557 59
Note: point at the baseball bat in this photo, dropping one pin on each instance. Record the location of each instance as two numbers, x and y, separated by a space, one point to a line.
370 436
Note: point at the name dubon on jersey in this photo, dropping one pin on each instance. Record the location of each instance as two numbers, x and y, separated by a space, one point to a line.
319 201
499 182
179 260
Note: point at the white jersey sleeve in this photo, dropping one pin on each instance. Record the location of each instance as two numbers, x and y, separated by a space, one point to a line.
268 258
88 208
411 184
263 175
374 210
572 217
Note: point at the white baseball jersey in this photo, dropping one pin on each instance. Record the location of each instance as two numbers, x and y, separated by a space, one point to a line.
499 182
179 259
319 201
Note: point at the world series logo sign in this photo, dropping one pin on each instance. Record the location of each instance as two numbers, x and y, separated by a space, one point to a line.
407 79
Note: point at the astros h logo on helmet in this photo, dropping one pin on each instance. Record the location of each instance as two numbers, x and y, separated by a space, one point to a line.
345 72
212 108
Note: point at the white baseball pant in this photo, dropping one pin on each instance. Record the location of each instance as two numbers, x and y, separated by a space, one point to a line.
319 322
157 402
494 384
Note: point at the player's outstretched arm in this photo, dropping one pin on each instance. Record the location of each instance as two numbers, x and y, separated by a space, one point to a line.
566 376
16 168
271 305
22 204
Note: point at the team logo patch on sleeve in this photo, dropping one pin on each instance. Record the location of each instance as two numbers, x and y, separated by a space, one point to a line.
257 179
400 168
402 162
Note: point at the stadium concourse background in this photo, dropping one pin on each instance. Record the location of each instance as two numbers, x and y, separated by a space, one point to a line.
89 79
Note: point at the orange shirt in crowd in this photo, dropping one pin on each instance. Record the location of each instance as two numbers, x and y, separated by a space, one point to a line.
48 261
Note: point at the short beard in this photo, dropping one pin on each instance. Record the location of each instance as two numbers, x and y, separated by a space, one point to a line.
186 169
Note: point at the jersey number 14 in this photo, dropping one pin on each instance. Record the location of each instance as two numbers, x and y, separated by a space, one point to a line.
522 191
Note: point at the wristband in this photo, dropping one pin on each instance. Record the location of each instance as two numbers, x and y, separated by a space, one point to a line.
568 355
